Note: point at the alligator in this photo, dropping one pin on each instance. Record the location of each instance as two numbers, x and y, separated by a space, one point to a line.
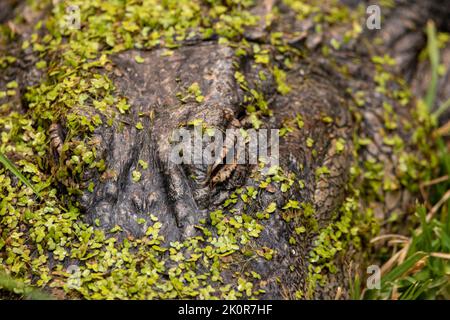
351 144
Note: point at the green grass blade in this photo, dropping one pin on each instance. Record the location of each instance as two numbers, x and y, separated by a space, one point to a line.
442 109
355 288
444 158
12 168
403 268
433 53
426 237
415 290
409 292
447 230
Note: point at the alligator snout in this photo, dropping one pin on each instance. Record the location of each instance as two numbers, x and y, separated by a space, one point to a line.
144 181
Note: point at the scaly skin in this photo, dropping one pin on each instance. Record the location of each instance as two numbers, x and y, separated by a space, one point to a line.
342 167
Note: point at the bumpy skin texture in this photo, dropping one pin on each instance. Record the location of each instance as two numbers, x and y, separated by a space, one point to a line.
180 202
152 87
24 71
403 31
6 9
404 38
